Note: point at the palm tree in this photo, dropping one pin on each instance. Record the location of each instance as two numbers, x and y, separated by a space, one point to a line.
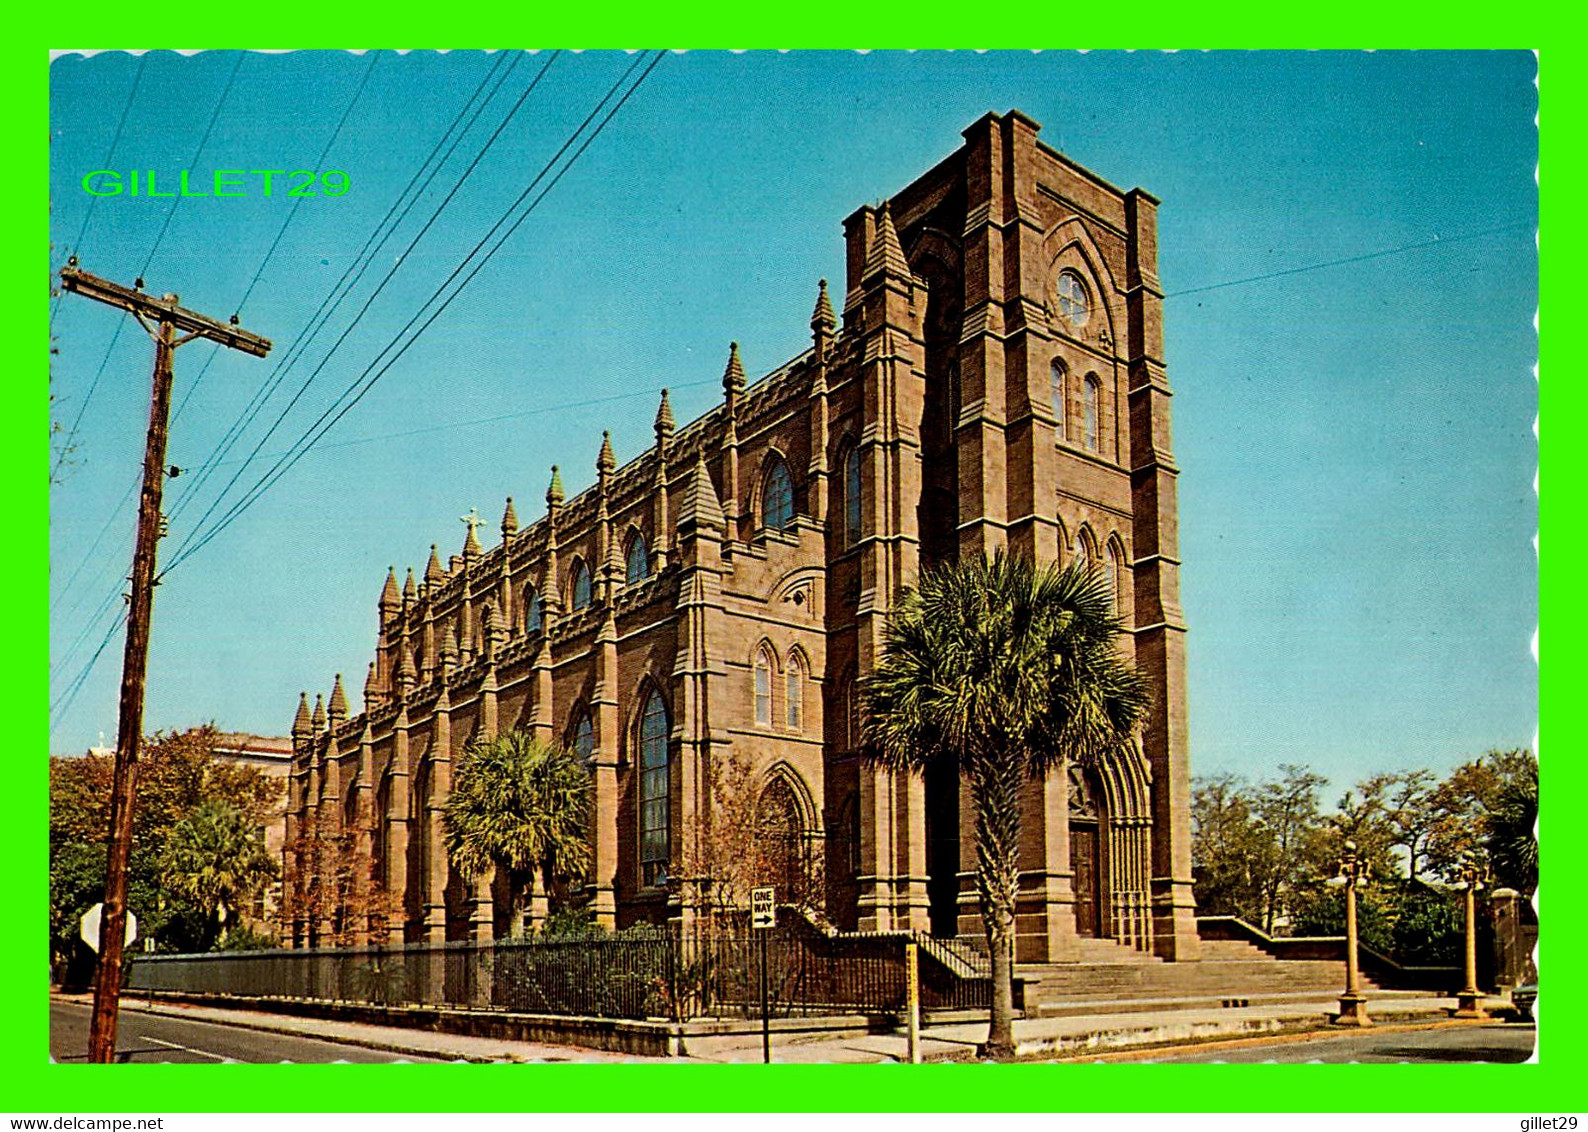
215 857
520 805
1509 824
1008 668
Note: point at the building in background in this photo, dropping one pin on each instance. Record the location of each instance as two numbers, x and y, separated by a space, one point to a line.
272 756
993 377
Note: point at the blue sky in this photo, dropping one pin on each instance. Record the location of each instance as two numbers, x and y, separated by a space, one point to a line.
1355 437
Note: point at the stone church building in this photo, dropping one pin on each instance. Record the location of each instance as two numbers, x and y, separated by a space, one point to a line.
993 377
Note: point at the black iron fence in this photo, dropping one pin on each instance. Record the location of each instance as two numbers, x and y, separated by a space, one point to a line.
661 975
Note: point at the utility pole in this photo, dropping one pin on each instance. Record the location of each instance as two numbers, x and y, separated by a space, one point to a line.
167 321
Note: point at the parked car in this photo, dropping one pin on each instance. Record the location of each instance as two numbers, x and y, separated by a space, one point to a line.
1523 998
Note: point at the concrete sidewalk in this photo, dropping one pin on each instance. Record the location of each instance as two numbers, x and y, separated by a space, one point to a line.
1070 1036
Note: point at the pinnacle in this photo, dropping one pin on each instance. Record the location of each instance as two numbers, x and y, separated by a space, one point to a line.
554 495
822 317
886 254
406 672
449 643
338 705
370 687
410 591
388 594
509 519
433 570
300 722
317 720
700 506
605 462
665 425
733 376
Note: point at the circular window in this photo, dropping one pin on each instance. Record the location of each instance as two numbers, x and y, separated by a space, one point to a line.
1073 303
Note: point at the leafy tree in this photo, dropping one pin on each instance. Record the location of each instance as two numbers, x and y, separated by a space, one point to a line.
214 858
177 772
522 806
749 841
1230 851
1508 828
1288 813
1009 669
1490 803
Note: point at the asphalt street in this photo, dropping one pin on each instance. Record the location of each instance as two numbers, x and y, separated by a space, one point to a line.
1443 1044
154 1038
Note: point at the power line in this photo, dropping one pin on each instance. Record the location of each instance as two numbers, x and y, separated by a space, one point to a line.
93 200
353 323
66 445
356 269
1435 242
244 418
210 359
282 467
64 701
285 224
193 161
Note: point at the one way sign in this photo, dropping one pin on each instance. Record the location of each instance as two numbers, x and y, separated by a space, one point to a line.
763 913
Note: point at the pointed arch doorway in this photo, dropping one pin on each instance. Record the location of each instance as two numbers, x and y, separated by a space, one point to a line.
1086 864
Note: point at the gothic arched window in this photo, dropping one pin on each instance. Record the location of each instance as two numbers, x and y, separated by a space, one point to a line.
777 497
638 560
1116 576
763 687
1056 385
1092 414
794 693
532 621
579 590
581 737
852 496
655 818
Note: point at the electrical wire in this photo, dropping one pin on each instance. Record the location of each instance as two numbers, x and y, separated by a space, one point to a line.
283 466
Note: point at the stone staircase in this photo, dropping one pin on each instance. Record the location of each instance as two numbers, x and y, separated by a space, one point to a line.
1110 977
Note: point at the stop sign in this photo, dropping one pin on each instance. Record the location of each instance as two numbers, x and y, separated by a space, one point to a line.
90 926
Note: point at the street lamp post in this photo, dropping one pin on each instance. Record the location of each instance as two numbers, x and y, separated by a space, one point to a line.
1352 876
1469 1000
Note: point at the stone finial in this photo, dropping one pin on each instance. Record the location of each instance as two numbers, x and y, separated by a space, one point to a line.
665 425
822 318
733 377
317 720
337 709
371 688
471 541
301 725
554 495
410 590
449 647
389 600
886 254
407 673
700 508
509 520
606 462
489 632
433 571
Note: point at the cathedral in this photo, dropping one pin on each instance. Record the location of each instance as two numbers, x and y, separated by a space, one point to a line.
991 376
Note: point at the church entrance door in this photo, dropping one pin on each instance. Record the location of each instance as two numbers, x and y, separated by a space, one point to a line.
1088 890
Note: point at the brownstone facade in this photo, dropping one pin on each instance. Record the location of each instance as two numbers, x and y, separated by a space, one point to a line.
997 380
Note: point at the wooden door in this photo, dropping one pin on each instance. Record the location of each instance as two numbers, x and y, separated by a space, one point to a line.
1083 863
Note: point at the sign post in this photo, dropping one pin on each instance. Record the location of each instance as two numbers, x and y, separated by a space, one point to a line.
763 918
912 993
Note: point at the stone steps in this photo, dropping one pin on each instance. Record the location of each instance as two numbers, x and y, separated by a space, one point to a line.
1230 971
